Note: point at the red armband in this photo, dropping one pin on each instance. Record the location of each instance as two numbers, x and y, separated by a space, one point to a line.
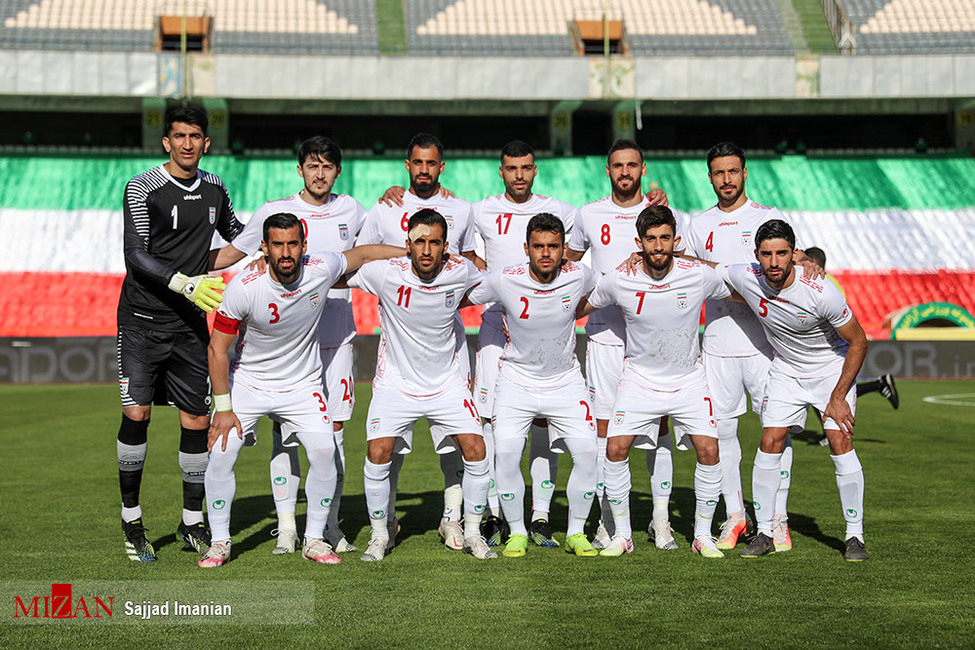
225 324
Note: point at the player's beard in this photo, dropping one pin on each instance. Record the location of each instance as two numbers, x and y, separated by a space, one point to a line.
286 277
658 265
424 185
629 193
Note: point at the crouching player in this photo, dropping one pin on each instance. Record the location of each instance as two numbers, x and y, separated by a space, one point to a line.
663 374
277 370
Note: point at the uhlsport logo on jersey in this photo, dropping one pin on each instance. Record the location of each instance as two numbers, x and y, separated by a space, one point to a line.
682 301
374 425
746 237
448 299
314 299
212 215
566 303
62 605
344 231
801 316
619 417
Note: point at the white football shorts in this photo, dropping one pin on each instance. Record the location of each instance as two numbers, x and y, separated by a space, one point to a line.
300 410
786 399
731 377
567 408
392 414
490 344
604 367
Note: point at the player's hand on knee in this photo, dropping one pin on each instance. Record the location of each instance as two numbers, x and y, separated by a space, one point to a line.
839 410
223 423
201 290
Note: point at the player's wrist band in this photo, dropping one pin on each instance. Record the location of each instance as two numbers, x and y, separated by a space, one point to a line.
222 403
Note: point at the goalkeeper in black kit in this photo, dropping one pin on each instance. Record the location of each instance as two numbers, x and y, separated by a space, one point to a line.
170 214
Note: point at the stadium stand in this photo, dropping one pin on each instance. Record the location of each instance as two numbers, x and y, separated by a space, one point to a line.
257 26
912 26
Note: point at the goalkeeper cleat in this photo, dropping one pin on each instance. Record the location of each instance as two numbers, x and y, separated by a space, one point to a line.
578 544
856 551
706 547
319 551
287 540
195 536
617 546
478 547
137 547
602 537
540 532
780 534
731 531
452 534
495 531
336 539
889 390
218 554
377 549
662 535
517 546
761 545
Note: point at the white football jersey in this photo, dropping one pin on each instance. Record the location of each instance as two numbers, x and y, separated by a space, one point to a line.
731 329
540 321
662 320
276 325
502 226
418 350
332 227
386 224
800 320
609 232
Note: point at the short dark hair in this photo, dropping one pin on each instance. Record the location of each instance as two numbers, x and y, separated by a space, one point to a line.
283 221
427 217
516 149
723 149
322 148
623 144
545 222
816 254
193 115
775 229
424 141
655 215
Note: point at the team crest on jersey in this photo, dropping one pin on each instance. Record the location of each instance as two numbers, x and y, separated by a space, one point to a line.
314 298
801 316
374 425
682 301
619 417
212 215
124 385
344 231
566 303
746 237
448 299
450 221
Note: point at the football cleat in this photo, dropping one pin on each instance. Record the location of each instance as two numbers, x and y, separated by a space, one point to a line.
540 532
516 546
578 544
336 539
218 554
195 536
761 545
478 547
662 535
495 530
377 549
452 534
706 546
137 547
889 390
319 551
618 545
602 537
780 534
855 551
287 540
731 531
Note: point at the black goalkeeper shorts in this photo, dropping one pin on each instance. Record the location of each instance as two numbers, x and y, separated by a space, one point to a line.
163 368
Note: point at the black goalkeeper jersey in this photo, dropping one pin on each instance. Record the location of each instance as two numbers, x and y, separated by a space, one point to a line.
168 227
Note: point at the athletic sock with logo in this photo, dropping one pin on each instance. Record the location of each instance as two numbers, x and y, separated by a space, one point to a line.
221 486
333 513
660 464
377 488
285 469
765 482
618 485
511 484
452 467
319 483
785 480
193 459
849 480
580 488
707 489
475 488
729 451
544 468
131 451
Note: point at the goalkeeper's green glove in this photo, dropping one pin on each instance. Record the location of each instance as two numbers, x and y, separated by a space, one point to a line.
202 290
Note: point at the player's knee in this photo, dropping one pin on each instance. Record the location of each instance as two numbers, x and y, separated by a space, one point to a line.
137 413
380 451
473 448
773 440
617 449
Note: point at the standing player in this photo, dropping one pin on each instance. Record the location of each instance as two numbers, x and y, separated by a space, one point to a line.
819 348
606 228
387 224
539 377
663 375
736 353
419 374
277 370
331 223
500 221
170 213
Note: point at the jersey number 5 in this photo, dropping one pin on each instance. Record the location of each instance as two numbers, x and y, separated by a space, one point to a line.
762 307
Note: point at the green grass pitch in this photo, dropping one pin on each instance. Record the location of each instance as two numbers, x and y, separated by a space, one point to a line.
60 524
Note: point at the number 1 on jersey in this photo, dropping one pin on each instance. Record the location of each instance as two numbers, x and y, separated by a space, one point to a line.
175 215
